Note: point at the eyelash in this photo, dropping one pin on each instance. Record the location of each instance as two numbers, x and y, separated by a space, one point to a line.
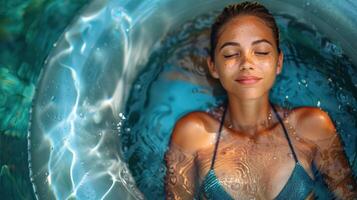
262 53
237 54
228 56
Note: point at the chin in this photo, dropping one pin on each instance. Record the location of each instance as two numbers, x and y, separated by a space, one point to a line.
249 95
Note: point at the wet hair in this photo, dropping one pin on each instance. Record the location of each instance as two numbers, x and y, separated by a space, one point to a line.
244 8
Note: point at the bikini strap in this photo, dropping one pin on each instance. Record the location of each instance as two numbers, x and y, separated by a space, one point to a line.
285 132
219 135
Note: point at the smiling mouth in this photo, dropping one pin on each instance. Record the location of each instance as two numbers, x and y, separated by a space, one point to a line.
248 81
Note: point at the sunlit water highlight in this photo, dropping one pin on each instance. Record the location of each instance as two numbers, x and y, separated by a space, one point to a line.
124 72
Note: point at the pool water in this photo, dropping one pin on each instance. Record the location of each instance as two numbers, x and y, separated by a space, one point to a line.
176 81
121 74
28 31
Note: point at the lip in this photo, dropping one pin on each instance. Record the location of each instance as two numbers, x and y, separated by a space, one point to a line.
248 79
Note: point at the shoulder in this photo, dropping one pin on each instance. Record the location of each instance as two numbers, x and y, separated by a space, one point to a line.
314 123
192 131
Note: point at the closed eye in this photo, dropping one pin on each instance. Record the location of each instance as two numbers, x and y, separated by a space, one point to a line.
231 55
262 52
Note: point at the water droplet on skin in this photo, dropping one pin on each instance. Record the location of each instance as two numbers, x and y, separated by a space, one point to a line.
173 180
228 148
297 138
235 187
274 157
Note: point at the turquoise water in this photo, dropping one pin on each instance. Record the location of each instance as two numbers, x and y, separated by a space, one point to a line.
180 83
123 72
28 30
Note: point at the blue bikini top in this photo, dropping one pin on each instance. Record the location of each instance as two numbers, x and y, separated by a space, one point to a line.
298 186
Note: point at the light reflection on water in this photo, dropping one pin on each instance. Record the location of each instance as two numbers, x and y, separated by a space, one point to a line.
123 74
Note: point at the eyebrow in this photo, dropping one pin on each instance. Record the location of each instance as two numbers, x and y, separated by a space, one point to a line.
237 44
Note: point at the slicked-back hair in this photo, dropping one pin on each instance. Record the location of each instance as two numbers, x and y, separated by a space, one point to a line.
244 8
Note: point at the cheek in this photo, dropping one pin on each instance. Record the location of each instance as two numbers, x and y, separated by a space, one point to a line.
226 71
227 68
268 67
230 63
269 77
269 70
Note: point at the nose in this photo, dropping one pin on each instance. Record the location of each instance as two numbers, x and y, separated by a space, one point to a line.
245 67
246 63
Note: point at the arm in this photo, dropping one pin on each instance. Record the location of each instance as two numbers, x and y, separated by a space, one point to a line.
180 174
180 179
330 157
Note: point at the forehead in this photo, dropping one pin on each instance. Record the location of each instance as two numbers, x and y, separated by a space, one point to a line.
244 29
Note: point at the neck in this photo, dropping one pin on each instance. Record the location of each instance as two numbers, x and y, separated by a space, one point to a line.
249 116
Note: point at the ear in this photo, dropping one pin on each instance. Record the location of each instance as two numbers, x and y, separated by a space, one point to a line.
279 67
212 68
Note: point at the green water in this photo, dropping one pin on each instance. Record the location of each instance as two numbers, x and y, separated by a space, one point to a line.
28 31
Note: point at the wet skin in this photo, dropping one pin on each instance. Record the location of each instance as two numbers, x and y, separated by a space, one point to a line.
253 158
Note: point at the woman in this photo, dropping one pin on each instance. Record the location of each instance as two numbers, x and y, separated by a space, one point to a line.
250 148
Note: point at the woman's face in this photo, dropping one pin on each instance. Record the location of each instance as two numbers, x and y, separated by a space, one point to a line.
246 58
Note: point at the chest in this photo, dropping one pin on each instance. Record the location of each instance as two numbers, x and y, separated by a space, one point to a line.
258 169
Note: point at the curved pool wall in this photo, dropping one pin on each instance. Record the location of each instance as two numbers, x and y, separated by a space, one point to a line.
90 137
